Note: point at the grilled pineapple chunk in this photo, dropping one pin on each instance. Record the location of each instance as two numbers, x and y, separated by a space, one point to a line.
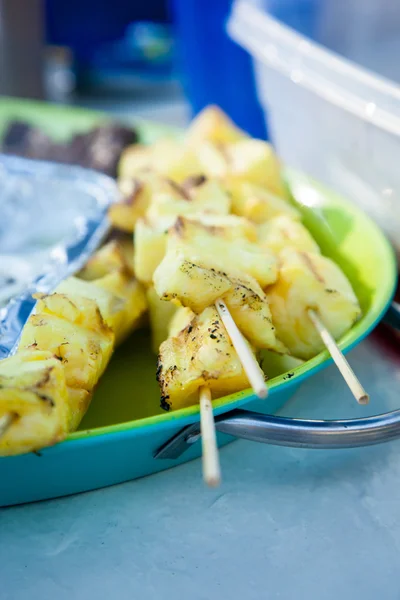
149 249
310 281
212 159
249 308
78 402
118 295
167 157
160 313
201 354
258 204
120 243
123 215
207 197
208 228
196 285
181 319
33 390
283 232
214 247
151 238
213 125
139 194
256 162
178 277
109 304
126 287
75 332
111 257
172 159
134 161
230 227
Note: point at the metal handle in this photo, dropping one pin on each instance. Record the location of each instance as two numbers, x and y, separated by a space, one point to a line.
301 433
298 433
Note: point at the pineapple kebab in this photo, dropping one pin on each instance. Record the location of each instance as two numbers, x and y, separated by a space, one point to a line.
46 387
202 358
195 362
198 361
312 303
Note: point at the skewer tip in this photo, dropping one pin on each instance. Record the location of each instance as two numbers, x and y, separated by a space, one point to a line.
364 399
211 466
212 481
342 364
262 392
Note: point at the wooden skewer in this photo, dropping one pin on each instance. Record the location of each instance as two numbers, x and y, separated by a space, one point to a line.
246 357
341 362
5 422
211 466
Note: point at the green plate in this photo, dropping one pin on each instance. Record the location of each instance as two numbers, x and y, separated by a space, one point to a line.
124 425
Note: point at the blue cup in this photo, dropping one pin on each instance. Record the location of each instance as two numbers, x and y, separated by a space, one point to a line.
214 69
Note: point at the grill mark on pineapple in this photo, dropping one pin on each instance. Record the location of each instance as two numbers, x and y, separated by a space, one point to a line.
224 153
38 323
46 399
193 181
182 192
309 264
179 227
159 369
285 233
45 379
164 404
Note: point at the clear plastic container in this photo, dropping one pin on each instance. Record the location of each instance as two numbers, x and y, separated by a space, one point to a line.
327 116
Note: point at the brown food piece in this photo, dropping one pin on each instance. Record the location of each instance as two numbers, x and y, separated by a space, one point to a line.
98 149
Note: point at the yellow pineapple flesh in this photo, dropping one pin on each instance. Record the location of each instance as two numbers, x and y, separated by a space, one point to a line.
167 157
283 232
310 281
33 392
149 249
160 313
250 310
255 161
181 319
178 277
209 197
258 204
213 125
193 283
214 247
200 354
73 331
124 214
